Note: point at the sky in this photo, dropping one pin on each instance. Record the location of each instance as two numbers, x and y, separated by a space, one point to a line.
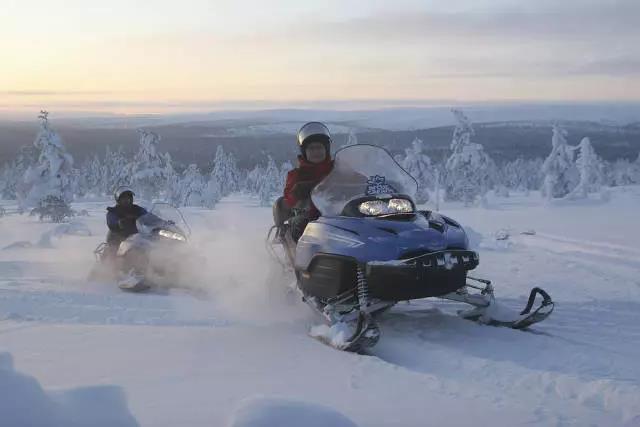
152 56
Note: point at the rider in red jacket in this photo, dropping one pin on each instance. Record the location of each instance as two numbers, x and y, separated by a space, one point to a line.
315 163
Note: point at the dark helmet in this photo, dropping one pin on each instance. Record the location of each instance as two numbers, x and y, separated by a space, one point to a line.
314 132
123 191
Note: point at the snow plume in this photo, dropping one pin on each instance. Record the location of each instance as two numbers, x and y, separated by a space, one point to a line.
249 287
51 175
470 171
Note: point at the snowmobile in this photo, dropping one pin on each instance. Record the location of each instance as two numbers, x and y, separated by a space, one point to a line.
150 258
371 248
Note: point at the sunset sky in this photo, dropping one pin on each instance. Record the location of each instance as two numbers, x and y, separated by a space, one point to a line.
148 56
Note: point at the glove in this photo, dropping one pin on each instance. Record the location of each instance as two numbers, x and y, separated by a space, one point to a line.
302 190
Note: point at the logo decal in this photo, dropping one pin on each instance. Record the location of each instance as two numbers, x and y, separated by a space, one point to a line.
378 185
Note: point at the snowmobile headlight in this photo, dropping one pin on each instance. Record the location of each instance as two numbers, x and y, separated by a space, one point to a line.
400 206
373 207
171 235
384 207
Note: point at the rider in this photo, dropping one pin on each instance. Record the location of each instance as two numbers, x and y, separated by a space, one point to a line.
314 163
121 219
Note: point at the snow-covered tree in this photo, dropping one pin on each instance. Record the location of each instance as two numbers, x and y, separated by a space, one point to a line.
623 172
225 172
115 170
521 174
418 164
558 169
150 170
351 139
284 170
590 168
188 188
270 185
469 170
253 180
211 194
51 175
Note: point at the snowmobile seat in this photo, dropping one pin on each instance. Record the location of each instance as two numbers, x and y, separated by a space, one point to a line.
281 212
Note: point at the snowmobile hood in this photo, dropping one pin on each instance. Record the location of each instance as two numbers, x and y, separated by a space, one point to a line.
377 239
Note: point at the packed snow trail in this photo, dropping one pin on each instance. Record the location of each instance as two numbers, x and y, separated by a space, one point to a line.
190 356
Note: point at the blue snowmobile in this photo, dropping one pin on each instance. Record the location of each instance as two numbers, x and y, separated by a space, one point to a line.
371 248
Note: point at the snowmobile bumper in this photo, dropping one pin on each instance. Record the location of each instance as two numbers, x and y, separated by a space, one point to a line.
429 275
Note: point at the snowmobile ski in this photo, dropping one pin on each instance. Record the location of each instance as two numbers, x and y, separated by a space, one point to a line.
365 336
482 312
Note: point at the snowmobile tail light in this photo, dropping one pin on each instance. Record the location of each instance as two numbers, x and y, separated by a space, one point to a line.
385 207
171 235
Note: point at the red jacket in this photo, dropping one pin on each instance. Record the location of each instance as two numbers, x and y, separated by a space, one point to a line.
305 171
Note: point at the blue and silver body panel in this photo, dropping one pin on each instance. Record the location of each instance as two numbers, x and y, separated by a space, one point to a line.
378 239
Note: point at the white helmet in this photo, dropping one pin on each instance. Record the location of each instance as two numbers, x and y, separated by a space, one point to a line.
120 191
314 131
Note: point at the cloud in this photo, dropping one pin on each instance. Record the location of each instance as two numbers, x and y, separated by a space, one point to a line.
38 93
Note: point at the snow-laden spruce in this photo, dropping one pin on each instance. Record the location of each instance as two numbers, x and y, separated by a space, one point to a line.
150 170
560 174
590 169
270 184
188 189
469 170
351 139
225 172
51 175
418 164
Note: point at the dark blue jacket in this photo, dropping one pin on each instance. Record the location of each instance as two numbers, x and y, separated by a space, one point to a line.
122 219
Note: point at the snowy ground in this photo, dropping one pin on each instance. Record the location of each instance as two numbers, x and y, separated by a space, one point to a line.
232 349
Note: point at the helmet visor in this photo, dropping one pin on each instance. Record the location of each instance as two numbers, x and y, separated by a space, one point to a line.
316 129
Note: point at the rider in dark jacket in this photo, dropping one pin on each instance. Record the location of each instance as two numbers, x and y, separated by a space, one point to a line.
121 219
314 164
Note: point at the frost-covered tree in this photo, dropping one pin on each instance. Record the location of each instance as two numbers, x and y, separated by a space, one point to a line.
51 175
225 172
253 180
590 168
469 170
284 170
188 188
558 169
418 164
270 186
351 138
90 177
150 170
13 172
623 172
115 170
521 174
212 193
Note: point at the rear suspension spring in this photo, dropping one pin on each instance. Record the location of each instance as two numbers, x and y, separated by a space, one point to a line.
363 289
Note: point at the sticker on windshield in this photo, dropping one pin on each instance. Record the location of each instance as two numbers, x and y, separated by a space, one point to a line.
378 185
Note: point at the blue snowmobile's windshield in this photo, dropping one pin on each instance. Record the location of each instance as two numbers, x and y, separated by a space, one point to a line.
361 171
159 214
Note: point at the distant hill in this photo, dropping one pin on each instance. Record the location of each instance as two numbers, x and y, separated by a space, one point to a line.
196 142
